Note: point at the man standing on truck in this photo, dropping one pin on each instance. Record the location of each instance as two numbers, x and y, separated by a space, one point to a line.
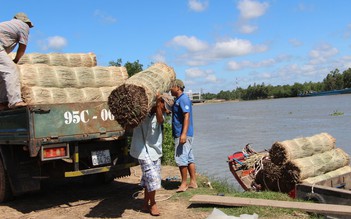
13 32
182 130
146 146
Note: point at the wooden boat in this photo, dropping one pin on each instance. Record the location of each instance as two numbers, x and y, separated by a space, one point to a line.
331 191
336 190
243 171
325 93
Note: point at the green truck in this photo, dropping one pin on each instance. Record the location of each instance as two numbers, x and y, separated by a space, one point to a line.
53 141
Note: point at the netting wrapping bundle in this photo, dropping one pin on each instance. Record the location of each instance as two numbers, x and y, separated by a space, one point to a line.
328 175
41 75
282 152
47 84
310 159
131 101
316 165
58 59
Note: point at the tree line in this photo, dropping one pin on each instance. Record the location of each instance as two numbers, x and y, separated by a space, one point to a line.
333 81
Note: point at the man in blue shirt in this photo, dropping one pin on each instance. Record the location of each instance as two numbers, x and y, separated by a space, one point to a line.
183 132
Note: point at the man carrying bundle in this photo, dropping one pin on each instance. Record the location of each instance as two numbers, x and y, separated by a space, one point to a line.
146 146
13 32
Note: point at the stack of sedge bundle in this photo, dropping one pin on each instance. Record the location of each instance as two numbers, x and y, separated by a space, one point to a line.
45 84
131 101
282 152
271 177
59 59
328 175
308 159
299 169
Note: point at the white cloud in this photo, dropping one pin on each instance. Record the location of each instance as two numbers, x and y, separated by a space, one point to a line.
190 43
211 78
103 17
235 47
346 60
200 53
159 57
347 33
247 28
232 65
201 75
197 5
303 7
321 53
194 73
295 42
297 72
250 9
194 61
55 43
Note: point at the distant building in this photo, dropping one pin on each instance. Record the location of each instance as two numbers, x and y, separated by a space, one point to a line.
194 97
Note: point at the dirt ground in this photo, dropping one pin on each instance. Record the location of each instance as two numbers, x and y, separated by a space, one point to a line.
120 199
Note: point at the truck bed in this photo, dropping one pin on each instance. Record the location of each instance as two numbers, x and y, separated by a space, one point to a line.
38 125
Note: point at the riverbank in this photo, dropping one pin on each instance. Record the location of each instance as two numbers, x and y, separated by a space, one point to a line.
123 198
120 199
216 101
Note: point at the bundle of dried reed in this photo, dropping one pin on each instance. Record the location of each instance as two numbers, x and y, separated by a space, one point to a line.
131 101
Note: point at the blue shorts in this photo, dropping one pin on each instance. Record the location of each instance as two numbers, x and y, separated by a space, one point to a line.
151 174
184 152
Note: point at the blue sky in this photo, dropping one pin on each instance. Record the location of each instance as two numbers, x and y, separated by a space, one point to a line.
212 45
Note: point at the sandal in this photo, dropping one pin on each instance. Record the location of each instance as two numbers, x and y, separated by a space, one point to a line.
18 104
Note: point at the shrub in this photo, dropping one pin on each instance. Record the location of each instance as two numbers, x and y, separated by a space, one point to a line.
168 143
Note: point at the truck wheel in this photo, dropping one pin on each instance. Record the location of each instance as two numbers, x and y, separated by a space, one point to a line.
5 189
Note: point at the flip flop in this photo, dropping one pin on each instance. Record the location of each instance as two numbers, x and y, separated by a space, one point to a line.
154 214
157 214
18 104
181 190
193 187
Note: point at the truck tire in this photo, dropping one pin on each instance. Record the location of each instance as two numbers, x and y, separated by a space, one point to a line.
5 189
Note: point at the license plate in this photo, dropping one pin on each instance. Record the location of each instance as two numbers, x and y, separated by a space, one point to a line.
100 157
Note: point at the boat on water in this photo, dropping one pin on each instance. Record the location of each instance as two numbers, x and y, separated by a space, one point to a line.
247 164
242 165
324 93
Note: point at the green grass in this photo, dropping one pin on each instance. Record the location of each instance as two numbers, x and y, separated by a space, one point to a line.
221 187
336 113
168 144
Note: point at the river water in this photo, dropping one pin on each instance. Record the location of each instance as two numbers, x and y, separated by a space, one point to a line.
224 128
